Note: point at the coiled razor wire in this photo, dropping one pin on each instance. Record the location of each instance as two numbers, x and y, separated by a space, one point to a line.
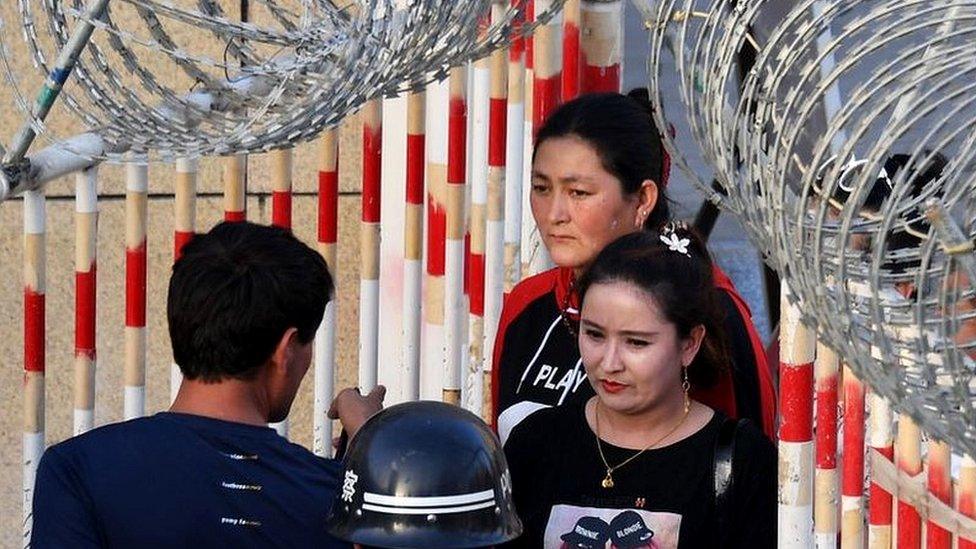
182 78
848 152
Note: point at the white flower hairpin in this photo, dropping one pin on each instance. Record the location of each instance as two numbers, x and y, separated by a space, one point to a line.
674 243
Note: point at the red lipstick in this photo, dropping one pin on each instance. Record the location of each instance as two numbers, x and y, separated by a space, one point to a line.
612 386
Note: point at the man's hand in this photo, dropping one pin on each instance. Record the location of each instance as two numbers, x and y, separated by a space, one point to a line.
352 409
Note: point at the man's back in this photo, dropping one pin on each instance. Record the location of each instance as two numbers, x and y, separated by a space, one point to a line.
178 480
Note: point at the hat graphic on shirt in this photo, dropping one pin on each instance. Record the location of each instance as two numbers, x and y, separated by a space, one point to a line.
589 532
628 531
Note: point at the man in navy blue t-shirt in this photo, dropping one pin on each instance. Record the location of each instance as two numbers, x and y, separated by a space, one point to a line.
244 303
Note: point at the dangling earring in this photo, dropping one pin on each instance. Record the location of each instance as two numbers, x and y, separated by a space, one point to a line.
686 387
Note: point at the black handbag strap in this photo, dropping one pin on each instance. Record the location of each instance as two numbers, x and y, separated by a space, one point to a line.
724 449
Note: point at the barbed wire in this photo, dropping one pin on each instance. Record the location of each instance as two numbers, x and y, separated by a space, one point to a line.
848 152
181 78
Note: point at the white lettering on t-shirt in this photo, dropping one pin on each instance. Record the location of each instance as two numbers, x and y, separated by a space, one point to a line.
544 371
239 486
566 380
580 378
239 522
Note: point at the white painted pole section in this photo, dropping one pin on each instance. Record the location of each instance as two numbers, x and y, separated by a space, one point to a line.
369 264
34 341
86 249
882 440
432 372
325 336
514 158
495 260
136 216
472 397
413 246
393 181
185 202
796 463
455 317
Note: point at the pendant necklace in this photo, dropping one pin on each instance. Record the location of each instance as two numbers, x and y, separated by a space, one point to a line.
608 480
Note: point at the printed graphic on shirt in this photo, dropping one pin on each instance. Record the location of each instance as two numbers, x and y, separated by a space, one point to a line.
572 527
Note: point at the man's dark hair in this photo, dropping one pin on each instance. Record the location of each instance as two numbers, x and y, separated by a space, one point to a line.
234 293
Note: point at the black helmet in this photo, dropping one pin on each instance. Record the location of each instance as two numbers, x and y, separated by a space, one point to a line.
425 475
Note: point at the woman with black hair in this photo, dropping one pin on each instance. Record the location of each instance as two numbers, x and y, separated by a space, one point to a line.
599 172
642 463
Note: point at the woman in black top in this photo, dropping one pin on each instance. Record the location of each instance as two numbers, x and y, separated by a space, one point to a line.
634 466
599 172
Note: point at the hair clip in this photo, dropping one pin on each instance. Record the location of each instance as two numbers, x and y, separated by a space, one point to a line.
669 235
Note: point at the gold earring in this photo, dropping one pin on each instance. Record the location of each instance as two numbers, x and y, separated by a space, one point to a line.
686 387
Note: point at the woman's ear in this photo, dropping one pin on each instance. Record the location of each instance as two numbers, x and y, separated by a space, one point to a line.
692 344
647 196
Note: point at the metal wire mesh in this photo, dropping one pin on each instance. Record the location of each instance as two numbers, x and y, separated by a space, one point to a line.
847 151
189 78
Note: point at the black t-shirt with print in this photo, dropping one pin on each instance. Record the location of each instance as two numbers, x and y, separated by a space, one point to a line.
664 496
537 361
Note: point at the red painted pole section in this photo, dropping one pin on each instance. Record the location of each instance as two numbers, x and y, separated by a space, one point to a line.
281 194
571 50
235 190
826 499
546 66
909 459
852 486
136 218
601 46
940 486
879 501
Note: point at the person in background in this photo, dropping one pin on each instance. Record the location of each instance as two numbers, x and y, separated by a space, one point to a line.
599 172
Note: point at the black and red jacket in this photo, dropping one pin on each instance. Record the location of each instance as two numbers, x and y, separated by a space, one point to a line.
537 361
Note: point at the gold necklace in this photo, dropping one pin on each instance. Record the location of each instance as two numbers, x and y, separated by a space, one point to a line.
608 480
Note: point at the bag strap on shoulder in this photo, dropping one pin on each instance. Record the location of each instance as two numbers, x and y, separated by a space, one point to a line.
724 450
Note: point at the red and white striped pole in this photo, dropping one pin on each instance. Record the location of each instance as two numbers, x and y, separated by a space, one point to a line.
369 267
325 336
880 501
281 217
527 242
281 188
547 67
86 248
827 498
571 49
852 490
413 245
454 314
472 394
514 160
908 452
940 486
495 256
967 496
602 45
797 348
186 214
432 369
235 190
35 245
136 229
